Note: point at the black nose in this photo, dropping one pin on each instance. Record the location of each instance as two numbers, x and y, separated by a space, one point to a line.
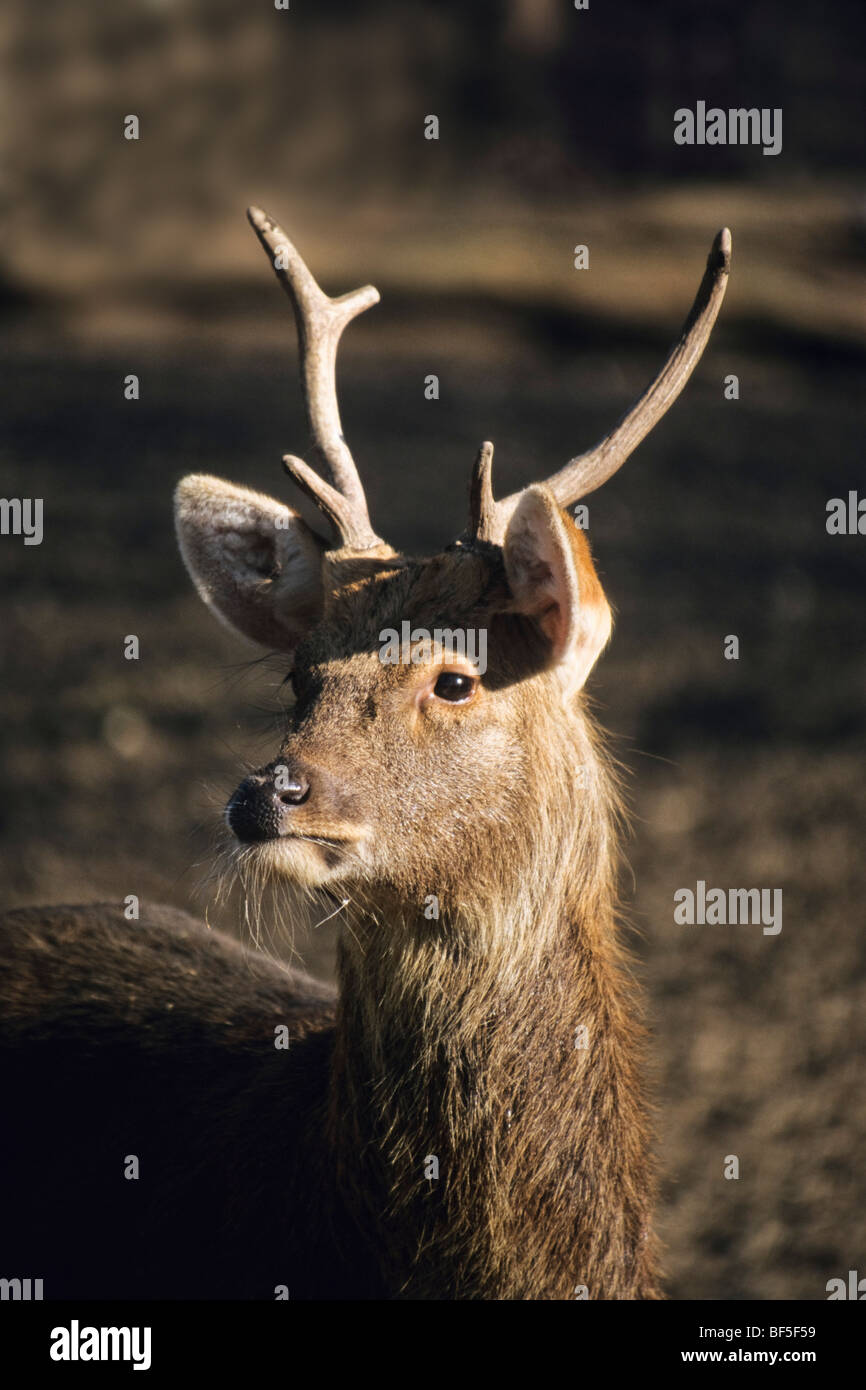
261 807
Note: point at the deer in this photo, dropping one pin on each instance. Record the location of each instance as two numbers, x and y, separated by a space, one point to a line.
464 1116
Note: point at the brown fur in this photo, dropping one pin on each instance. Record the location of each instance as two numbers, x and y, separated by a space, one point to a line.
453 1037
438 1132
456 1037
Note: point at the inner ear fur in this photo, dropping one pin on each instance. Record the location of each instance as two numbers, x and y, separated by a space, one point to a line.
254 561
552 579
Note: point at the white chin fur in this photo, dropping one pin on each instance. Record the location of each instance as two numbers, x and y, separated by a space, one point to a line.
301 861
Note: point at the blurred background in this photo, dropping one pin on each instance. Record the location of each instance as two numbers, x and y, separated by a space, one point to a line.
555 129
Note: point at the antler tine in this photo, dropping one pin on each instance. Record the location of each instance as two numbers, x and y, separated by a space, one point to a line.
482 508
320 321
588 471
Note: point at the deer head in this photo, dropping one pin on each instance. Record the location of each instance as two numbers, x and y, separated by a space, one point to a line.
423 769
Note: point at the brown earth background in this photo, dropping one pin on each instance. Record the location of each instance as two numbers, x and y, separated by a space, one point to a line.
556 128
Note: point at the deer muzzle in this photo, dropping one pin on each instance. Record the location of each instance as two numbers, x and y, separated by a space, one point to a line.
262 807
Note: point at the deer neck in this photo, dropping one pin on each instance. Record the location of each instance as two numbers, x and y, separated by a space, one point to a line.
485 1102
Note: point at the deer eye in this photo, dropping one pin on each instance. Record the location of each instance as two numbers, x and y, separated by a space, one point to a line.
455 687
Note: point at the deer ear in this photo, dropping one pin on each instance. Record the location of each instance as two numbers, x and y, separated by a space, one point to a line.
553 580
254 561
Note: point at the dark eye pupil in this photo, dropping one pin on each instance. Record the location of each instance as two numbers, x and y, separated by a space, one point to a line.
452 686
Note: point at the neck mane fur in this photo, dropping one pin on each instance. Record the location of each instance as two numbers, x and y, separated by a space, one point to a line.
456 1040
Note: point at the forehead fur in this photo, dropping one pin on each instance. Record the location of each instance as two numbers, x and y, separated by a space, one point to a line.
460 588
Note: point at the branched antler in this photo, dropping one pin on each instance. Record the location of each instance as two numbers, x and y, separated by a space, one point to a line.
588 471
320 322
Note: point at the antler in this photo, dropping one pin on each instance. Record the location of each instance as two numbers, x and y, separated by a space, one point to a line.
320 321
588 471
